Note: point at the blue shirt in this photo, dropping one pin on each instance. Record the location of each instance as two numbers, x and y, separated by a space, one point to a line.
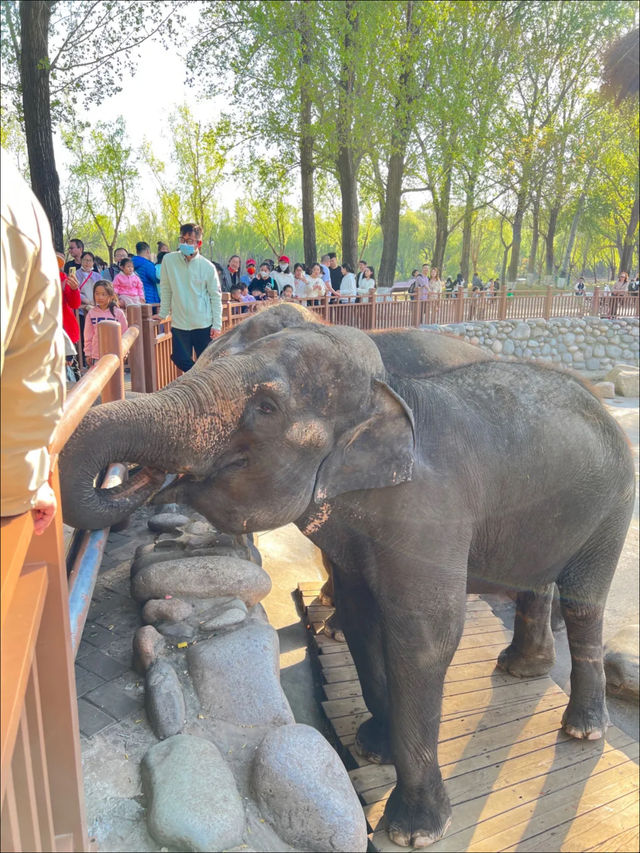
146 272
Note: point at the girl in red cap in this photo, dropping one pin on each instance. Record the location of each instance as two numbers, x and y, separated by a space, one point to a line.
250 274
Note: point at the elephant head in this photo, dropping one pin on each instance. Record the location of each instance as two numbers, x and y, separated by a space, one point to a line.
298 416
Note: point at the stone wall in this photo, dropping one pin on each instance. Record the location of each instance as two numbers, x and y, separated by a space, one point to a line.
588 344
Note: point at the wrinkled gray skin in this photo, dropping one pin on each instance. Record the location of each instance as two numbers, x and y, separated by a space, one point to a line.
409 353
409 486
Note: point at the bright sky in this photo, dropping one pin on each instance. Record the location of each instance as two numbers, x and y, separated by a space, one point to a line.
145 101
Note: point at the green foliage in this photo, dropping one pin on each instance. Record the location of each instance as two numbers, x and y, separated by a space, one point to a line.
495 107
105 169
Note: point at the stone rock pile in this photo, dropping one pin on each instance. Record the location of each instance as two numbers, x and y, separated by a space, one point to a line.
589 344
232 770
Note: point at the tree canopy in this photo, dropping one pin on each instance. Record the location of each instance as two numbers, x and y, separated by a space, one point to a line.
499 138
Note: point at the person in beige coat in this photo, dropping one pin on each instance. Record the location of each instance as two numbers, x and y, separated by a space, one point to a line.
32 356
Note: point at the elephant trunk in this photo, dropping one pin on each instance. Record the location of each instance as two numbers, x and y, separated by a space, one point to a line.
171 431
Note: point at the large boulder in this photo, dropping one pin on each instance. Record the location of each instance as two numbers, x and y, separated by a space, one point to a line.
192 799
202 577
621 663
625 380
237 676
304 791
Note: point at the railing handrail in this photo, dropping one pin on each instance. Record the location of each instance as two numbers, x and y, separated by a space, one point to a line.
39 641
86 391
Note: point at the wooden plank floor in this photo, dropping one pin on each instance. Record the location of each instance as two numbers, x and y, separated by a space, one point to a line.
516 782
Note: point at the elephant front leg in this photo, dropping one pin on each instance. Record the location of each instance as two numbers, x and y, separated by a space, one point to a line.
418 650
359 616
532 650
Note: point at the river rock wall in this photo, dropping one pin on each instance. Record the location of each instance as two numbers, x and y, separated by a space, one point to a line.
588 344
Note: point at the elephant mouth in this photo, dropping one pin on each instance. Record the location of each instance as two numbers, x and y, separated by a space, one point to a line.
235 462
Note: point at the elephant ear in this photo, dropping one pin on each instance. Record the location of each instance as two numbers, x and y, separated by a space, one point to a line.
376 453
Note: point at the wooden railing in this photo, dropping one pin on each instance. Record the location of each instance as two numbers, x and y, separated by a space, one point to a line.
41 771
404 310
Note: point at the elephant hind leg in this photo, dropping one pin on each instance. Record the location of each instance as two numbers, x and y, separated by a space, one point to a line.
584 585
326 595
531 652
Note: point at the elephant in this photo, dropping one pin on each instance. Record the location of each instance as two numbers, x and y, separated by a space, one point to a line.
405 352
509 472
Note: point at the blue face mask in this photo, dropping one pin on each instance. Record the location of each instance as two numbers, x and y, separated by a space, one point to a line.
186 249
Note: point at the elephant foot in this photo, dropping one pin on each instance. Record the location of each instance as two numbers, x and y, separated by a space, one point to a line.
418 824
526 666
332 629
373 741
585 722
325 596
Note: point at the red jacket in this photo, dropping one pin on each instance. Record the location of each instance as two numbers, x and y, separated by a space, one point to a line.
70 301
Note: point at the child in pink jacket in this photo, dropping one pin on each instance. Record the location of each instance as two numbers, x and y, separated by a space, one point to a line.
106 308
127 285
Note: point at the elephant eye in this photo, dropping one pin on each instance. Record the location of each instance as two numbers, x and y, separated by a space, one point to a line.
266 407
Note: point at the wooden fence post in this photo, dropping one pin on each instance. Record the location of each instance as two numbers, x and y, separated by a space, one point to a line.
373 306
502 305
326 307
149 350
595 302
460 307
548 302
416 308
110 341
136 353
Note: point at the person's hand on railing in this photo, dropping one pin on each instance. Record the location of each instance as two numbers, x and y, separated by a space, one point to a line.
44 508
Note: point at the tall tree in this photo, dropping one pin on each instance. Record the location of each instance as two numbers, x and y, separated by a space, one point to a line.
59 50
104 166
404 93
559 49
269 75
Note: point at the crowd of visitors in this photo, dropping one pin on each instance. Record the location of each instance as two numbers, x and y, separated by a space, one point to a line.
427 283
188 287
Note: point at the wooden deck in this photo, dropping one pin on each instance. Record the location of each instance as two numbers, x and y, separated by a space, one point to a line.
516 782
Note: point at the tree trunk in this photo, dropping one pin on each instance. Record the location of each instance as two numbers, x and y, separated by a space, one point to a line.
627 248
550 238
347 175
402 126
505 255
573 231
467 225
306 146
535 235
36 103
577 216
308 204
391 221
442 221
346 162
514 263
442 234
